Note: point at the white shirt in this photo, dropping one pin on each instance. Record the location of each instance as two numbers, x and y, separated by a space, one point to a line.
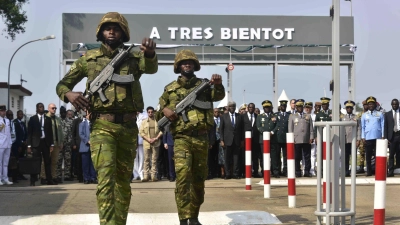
251 115
216 120
42 125
13 136
398 118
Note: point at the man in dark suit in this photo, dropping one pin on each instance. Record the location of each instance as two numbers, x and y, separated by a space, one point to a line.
231 137
76 161
282 129
249 124
21 134
213 151
40 141
392 134
18 147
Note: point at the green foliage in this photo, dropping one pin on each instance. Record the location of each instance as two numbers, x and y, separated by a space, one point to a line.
359 107
13 16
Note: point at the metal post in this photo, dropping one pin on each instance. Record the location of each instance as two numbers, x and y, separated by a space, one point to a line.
328 174
353 175
343 172
319 170
335 110
352 81
324 129
275 83
229 80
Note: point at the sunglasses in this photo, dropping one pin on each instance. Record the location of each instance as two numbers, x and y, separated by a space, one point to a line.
54 108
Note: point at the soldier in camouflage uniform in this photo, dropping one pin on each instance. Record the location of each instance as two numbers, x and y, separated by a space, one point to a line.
114 131
191 140
361 148
65 153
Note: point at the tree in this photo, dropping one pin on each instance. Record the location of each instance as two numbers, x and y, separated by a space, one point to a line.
13 16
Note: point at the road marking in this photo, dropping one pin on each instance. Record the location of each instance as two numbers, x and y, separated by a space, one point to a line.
206 218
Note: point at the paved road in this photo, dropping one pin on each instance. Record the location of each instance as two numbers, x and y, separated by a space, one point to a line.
221 195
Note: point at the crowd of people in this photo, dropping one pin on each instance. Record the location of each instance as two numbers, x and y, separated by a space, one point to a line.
67 153
62 142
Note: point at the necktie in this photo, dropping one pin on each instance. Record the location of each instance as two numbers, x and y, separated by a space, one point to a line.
251 119
233 121
349 116
395 122
41 121
4 121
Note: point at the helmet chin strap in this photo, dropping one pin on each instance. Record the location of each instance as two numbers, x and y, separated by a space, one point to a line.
188 73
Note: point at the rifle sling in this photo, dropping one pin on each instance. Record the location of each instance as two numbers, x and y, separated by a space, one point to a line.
122 79
202 105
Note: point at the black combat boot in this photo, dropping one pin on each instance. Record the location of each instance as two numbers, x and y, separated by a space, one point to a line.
194 221
183 222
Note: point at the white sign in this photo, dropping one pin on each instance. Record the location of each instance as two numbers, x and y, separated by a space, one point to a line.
198 33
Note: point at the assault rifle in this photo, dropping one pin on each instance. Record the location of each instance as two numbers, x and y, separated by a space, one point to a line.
187 103
103 80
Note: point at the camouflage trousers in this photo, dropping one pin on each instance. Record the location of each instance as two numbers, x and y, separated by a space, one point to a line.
361 149
191 171
64 154
113 148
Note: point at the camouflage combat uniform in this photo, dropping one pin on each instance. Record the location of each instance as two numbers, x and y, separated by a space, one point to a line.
191 140
361 148
113 142
65 153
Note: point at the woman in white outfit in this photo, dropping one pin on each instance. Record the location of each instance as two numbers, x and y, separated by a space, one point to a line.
139 160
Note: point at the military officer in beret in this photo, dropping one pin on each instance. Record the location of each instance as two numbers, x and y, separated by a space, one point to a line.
349 116
325 114
308 107
267 121
361 148
282 129
372 127
114 130
301 125
243 109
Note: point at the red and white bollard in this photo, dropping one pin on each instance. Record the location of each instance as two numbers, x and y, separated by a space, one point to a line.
291 170
267 164
380 182
324 169
248 160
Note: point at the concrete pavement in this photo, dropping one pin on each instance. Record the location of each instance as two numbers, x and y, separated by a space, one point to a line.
153 203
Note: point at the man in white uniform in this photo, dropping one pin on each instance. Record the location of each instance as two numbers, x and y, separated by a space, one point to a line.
5 145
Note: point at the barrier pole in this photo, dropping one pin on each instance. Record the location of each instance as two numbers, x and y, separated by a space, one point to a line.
380 182
248 160
267 164
291 170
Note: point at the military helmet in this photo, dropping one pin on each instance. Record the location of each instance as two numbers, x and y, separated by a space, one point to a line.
186 54
114 17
